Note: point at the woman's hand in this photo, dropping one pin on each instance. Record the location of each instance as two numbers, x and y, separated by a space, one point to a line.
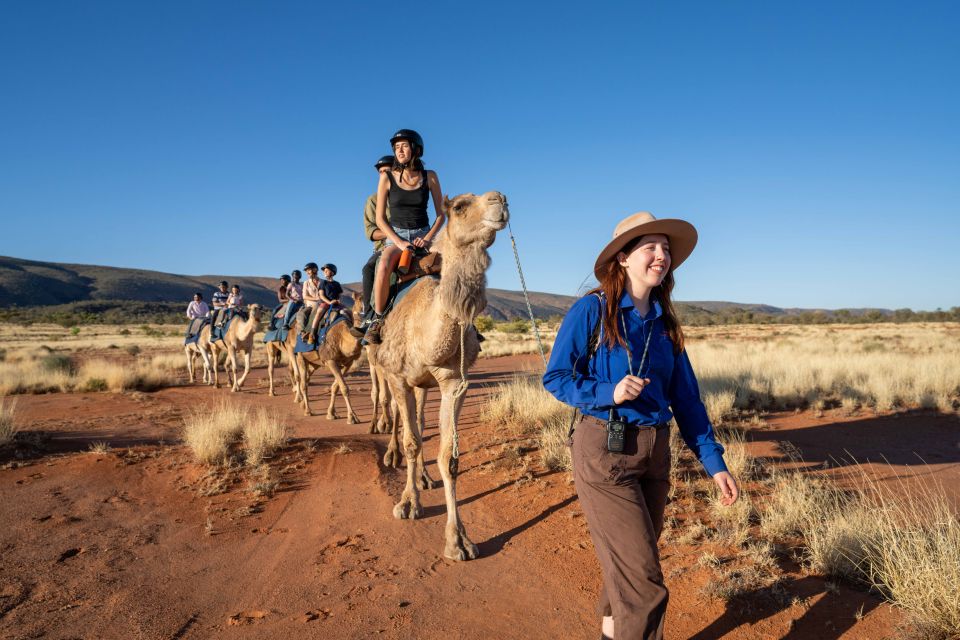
729 491
629 388
420 242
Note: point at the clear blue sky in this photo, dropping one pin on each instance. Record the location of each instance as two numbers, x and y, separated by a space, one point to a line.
815 145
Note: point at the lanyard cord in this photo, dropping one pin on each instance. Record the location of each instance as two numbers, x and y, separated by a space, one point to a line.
643 358
646 347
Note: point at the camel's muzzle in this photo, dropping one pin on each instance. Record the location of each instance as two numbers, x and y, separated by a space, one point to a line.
498 212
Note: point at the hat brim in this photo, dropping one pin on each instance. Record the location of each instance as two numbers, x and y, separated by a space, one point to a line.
682 235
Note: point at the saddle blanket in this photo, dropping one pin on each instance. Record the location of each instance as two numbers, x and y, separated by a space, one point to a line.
304 347
194 327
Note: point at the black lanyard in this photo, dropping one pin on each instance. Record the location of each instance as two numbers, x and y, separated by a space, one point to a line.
646 347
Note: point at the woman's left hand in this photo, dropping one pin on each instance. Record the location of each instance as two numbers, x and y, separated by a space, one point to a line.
420 242
729 491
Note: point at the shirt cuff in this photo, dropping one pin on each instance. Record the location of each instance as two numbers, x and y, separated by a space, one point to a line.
605 394
714 464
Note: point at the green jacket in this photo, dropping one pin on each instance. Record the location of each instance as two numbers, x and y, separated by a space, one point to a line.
370 220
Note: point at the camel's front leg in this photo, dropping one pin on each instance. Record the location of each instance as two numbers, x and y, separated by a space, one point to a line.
458 545
305 372
332 407
215 357
246 371
392 423
338 381
270 361
207 375
409 505
426 482
374 400
232 367
190 355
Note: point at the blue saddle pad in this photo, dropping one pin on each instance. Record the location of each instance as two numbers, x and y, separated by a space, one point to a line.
276 335
304 347
192 338
217 333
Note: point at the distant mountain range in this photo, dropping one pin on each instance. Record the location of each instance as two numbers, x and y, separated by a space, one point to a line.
28 283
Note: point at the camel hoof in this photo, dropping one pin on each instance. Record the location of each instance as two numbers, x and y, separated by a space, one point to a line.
406 510
461 550
271 394
352 419
427 483
373 428
392 458
333 416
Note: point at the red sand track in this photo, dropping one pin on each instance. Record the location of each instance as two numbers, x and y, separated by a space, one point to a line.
122 544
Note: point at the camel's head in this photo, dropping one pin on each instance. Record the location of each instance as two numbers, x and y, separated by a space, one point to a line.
255 310
475 219
358 306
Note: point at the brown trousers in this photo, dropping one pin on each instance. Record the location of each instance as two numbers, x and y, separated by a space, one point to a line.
624 496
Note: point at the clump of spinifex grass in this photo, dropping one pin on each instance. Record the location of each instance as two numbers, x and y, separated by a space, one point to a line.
523 407
212 433
8 428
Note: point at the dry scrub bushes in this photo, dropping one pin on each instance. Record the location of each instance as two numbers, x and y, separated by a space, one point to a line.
39 371
8 429
524 407
212 433
500 343
877 367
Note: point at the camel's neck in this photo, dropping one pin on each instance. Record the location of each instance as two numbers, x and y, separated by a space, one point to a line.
462 293
247 327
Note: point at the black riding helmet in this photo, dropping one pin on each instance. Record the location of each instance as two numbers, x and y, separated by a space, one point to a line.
410 136
385 161
311 265
330 266
284 278
296 273
224 283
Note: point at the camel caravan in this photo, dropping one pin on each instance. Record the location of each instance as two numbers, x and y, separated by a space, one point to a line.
423 286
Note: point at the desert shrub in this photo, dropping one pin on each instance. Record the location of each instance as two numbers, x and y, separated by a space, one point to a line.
132 349
94 374
8 428
524 407
263 434
95 384
483 323
3 355
124 331
57 362
210 431
514 326
75 331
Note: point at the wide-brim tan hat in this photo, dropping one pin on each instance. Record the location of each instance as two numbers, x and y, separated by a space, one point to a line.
682 235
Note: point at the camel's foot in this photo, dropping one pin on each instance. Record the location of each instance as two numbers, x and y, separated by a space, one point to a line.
333 415
392 458
426 482
271 393
353 419
407 509
459 548
373 427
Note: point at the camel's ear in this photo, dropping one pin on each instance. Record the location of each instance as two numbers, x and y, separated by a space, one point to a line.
446 203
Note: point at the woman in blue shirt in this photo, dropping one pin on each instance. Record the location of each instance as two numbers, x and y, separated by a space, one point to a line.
619 358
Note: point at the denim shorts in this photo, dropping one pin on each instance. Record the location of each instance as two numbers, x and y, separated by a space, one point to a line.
408 234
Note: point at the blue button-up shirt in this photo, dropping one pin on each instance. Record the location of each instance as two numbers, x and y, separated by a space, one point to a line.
588 385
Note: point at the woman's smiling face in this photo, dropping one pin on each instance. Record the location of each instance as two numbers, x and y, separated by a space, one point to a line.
403 151
648 262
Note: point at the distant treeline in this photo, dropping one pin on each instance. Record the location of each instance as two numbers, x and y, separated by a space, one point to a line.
133 312
694 316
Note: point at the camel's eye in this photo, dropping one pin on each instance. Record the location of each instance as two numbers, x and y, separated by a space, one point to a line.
459 207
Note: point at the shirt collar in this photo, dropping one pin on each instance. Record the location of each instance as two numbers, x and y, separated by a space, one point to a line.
626 302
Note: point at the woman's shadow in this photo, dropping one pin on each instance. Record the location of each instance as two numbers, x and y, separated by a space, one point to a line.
831 616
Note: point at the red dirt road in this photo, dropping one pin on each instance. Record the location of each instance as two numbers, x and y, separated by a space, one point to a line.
123 545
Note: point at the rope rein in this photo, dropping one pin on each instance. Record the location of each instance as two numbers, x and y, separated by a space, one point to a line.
523 284
461 388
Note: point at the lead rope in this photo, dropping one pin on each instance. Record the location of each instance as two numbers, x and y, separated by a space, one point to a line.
523 283
459 391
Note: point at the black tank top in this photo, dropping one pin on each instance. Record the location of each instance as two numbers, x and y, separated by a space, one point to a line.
408 208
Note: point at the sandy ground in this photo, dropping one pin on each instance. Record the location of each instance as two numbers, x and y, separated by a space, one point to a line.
124 544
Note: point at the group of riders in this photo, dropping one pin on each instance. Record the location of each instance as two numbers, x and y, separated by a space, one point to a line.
395 219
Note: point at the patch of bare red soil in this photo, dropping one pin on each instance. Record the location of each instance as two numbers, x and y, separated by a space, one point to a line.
138 543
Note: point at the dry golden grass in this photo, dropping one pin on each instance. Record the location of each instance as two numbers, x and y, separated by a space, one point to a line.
499 343
877 366
8 427
263 433
210 431
23 375
524 407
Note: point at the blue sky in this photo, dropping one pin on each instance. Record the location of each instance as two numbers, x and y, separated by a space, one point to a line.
815 146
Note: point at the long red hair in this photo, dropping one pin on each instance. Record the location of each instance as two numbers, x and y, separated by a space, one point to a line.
613 281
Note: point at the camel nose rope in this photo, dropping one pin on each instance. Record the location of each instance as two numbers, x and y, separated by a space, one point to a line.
523 283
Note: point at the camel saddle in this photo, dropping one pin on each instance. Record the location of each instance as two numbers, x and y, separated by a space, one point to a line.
421 265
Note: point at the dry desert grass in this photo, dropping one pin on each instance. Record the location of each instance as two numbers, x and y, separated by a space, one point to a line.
8 427
212 432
